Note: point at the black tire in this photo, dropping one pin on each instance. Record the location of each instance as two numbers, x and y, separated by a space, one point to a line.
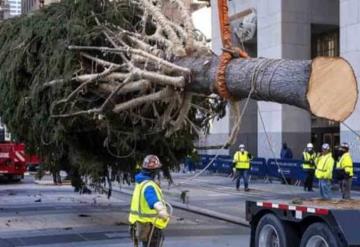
271 231
318 233
13 179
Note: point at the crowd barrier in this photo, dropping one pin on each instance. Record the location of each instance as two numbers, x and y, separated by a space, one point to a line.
271 168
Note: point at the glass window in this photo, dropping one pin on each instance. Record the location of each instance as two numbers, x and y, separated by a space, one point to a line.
325 44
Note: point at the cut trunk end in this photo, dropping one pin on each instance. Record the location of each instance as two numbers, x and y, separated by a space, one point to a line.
333 89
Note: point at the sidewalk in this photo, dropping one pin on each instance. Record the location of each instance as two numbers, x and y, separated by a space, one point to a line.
216 195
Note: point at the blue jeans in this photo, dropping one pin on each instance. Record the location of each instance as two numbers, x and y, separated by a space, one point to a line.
242 173
325 189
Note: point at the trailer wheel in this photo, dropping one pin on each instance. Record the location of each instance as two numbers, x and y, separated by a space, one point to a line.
318 235
272 232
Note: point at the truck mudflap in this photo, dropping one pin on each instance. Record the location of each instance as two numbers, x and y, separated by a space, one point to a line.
344 223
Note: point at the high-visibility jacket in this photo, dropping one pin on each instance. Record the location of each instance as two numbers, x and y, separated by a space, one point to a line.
139 208
325 167
307 158
346 164
242 160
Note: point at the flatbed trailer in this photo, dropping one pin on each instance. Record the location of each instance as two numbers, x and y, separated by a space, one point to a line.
313 223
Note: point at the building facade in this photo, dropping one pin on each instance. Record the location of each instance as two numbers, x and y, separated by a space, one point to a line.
14 7
31 5
4 10
292 29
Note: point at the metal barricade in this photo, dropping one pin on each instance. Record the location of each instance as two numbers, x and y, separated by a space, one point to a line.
292 169
356 177
205 160
258 167
223 164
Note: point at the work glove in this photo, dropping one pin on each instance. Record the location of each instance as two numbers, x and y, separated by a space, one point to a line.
161 210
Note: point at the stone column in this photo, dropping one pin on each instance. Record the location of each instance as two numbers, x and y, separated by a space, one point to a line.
269 38
296 44
350 50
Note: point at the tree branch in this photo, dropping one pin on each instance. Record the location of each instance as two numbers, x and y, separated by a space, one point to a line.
161 95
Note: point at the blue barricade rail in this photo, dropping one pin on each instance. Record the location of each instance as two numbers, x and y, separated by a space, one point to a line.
356 177
290 168
261 167
258 167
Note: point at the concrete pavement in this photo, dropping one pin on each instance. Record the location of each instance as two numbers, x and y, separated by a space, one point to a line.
64 218
216 194
45 215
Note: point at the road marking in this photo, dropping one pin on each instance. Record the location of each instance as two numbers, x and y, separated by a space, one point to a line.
218 194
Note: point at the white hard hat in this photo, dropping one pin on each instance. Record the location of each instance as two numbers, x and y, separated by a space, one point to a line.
325 146
345 145
310 145
241 146
151 162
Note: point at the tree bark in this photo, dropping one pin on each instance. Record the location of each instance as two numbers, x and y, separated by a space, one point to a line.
292 82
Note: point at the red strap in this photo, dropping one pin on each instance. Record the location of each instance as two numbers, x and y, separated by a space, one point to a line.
227 54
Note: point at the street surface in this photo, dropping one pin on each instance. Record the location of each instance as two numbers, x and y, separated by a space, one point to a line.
217 193
45 215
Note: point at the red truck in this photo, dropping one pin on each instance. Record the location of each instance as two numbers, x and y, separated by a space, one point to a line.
12 160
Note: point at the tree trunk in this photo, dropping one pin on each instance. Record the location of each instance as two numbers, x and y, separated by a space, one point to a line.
325 86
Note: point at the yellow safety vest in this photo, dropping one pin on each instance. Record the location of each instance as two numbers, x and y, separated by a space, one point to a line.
308 157
241 160
346 163
325 167
140 210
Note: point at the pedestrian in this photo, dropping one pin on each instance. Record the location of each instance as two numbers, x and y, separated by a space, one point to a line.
324 170
345 164
148 213
241 166
190 161
286 152
189 164
309 165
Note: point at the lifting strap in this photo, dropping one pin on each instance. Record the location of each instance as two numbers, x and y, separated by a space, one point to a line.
228 52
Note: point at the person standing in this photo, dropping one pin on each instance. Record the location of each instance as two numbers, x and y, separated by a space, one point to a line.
241 167
324 170
309 165
286 152
345 164
148 213
189 163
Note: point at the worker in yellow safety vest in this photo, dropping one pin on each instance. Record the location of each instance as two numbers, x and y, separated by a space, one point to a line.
241 166
148 213
345 165
324 170
309 165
